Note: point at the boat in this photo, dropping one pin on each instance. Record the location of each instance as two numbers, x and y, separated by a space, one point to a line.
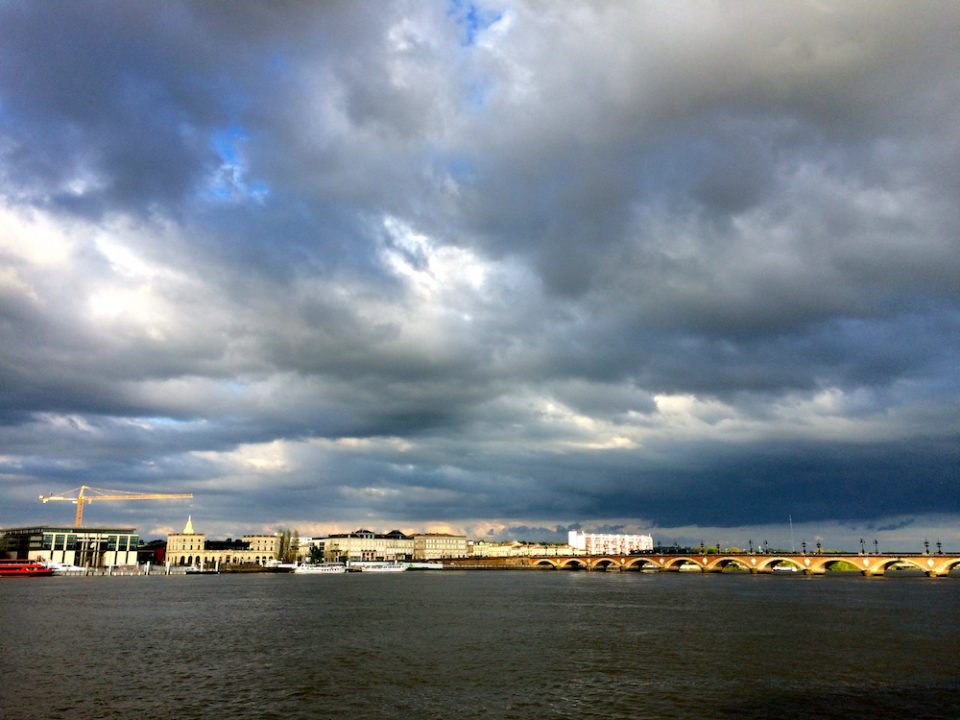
277 566
784 569
378 567
64 568
194 570
320 569
425 566
24 568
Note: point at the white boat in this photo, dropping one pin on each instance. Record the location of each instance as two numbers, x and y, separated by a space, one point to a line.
320 569
277 566
194 570
64 568
425 566
378 567
784 569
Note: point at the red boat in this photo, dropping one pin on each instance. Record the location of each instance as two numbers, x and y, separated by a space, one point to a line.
23 568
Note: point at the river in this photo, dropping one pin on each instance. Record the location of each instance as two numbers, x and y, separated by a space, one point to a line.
479 645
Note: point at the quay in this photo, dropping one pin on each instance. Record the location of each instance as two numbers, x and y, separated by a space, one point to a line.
757 562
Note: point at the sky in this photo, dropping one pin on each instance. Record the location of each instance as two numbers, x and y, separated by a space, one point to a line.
503 268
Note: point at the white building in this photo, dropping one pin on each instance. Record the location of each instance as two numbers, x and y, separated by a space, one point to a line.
601 544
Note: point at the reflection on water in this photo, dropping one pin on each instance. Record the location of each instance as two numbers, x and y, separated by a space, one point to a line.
480 645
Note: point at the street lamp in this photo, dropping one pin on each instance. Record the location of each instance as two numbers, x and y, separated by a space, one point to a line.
876 547
939 547
819 549
926 546
751 545
863 550
803 544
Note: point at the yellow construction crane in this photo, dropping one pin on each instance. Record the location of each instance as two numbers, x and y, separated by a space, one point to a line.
86 494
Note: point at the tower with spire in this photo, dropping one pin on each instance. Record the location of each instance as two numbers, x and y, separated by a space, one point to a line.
187 544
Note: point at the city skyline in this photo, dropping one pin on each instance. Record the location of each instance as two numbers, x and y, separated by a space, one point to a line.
506 269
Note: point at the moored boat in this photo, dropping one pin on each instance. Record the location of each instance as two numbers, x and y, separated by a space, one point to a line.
425 566
194 570
377 567
321 569
23 568
65 568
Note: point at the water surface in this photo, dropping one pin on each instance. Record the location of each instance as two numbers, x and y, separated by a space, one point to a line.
479 645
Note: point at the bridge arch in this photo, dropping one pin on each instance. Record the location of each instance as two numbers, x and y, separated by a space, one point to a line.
769 564
724 562
830 565
605 563
572 564
640 563
678 562
886 564
545 564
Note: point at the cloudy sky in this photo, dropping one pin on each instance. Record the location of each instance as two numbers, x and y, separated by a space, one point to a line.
502 268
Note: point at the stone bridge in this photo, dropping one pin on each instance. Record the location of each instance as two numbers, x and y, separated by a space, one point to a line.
810 564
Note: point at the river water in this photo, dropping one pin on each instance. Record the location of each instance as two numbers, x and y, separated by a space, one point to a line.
479 645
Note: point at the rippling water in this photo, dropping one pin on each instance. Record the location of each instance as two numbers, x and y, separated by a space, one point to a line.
479 645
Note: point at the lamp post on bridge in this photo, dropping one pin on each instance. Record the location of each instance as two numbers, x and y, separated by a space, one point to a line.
803 544
939 547
876 547
926 546
863 550
751 545
819 548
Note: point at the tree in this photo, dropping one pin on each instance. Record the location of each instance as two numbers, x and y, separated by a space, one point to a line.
293 546
288 545
283 544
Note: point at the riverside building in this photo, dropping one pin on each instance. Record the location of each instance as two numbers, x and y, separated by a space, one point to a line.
83 547
439 546
515 548
609 544
192 549
366 545
394 546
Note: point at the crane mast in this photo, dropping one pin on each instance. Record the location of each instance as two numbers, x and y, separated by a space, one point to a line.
85 495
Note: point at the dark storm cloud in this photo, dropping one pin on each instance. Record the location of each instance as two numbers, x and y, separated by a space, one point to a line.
578 265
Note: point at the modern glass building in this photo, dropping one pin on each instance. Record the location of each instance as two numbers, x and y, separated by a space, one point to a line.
84 547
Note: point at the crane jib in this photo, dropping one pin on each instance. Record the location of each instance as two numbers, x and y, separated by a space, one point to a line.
82 497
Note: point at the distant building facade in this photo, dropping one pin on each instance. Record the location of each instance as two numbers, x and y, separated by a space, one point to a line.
83 547
394 546
192 549
438 546
515 548
609 544
153 552
364 544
